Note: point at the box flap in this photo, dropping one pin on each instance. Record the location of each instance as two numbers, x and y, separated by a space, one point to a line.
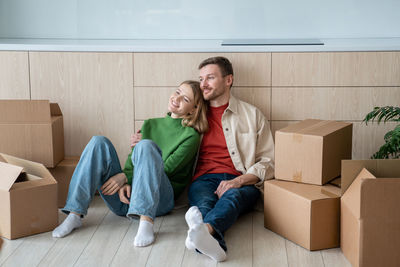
24 111
352 196
30 167
315 127
388 168
8 175
382 168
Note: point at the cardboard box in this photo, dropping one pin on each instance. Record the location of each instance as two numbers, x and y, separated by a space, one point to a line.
63 174
33 130
28 198
311 151
370 214
306 214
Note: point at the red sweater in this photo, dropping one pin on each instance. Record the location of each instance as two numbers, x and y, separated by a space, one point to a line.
214 155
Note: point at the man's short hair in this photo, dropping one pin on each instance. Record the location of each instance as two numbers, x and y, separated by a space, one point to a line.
223 63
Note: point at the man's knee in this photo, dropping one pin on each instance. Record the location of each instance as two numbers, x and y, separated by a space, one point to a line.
233 193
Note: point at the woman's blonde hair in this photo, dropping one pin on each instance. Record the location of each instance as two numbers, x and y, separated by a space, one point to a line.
197 119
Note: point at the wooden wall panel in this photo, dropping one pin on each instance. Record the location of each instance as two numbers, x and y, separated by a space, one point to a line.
138 125
14 75
367 139
95 93
152 102
170 69
336 69
330 103
257 96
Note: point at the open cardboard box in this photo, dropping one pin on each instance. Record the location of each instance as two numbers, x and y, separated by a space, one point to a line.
311 151
33 130
28 198
305 214
370 214
63 173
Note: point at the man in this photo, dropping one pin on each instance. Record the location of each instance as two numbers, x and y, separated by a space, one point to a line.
235 157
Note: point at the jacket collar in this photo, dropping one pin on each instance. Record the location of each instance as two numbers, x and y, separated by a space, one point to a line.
233 104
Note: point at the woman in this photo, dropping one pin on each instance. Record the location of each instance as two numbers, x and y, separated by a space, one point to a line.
157 170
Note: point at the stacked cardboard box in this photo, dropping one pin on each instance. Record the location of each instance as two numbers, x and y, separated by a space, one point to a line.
306 214
370 214
28 198
32 130
298 205
63 173
311 151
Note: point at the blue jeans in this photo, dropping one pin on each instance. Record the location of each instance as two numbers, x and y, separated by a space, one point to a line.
152 193
221 213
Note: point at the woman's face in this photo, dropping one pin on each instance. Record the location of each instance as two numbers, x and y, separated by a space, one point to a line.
181 101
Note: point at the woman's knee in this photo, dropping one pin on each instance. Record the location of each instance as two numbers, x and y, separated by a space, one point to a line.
145 143
99 140
146 146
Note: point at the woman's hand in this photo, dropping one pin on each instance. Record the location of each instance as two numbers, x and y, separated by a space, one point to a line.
125 193
135 138
113 184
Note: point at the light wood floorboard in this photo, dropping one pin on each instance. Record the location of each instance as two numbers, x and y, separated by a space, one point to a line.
298 256
107 240
334 257
169 248
101 249
269 249
240 233
68 249
8 248
128 254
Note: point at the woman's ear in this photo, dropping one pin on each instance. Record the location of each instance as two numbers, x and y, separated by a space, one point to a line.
193 110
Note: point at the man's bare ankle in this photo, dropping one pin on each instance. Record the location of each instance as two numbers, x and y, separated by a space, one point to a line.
210 229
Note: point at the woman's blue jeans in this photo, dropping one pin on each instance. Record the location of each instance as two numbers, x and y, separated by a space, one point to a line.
221 213
152 194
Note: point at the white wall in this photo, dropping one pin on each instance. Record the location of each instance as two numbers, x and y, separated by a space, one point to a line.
207 19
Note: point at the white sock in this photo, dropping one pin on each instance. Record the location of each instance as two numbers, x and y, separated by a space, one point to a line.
70 223
206 243
145 234
193 217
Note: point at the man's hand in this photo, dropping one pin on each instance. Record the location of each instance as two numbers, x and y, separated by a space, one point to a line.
113 184
226 185
135 138
125 193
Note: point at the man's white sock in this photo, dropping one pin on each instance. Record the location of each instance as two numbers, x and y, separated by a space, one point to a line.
70 223
206 243
145 234
193 217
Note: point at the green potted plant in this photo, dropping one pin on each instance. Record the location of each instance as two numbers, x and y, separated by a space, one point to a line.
391 148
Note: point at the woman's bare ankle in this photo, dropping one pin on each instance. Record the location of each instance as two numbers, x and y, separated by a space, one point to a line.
146 218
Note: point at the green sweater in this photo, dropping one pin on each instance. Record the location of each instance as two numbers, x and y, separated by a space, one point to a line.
179 146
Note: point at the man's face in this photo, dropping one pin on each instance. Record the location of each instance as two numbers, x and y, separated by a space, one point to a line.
212 83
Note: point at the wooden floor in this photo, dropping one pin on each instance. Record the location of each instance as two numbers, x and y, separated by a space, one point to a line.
107 240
